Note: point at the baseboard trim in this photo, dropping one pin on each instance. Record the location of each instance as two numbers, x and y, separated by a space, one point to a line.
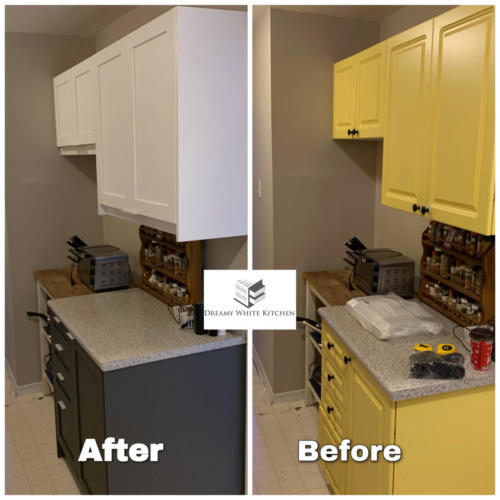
21 390
274 397
262 374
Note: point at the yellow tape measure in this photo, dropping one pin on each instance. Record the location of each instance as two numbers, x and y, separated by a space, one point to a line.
446 348
423 347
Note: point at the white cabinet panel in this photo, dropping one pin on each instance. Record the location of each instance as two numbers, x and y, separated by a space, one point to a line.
85 106
212 129
64 95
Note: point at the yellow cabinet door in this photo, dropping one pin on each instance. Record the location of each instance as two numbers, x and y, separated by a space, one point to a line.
461 176
371 421
408 65
344 95
370 72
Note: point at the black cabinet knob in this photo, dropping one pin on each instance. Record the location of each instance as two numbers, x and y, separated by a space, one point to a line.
349 131
330 377
330 345
415 207
329 409
347 360
355 131
424 210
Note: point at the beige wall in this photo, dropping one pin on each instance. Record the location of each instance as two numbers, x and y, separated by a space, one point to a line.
396 229
217 254
323 190
48 198
263 213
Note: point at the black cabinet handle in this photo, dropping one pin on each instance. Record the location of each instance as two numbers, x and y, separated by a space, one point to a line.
347 360
330 377
355 131
415 207
349 131
329 409
330 345
424 210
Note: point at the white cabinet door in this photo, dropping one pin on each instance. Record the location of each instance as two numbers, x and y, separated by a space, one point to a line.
85 103
64 100
152 54
114 146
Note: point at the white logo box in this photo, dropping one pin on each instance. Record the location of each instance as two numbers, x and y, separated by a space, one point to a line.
250 300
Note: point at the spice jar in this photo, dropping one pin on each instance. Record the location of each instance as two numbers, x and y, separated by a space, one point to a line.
468 278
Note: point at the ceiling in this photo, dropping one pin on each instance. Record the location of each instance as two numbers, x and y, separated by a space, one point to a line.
76 20
364 12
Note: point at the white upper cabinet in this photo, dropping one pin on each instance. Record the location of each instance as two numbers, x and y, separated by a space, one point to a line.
171 127
75 109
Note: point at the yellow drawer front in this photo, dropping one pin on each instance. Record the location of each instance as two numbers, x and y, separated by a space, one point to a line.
334 349
336 471
335 414
334 383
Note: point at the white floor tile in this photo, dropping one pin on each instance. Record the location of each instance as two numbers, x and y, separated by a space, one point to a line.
32 466
280 426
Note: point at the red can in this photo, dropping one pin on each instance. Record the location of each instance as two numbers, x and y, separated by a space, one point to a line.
481 343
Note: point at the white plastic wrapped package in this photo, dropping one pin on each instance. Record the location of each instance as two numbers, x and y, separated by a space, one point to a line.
390 316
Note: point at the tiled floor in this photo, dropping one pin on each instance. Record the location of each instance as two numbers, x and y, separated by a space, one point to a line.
31 463
276 431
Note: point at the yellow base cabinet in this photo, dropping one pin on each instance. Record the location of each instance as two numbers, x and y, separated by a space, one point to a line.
358 95
447 440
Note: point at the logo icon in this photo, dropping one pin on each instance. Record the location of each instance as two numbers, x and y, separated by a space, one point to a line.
249 292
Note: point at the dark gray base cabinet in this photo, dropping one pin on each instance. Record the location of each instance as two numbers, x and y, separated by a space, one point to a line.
193 404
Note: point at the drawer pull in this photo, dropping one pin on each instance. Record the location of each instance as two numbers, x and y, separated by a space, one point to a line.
330 377
60 376
61 405
347 360
70 337
329 409
59 347
330 345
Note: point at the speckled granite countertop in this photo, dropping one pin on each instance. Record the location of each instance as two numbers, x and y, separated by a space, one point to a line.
130 327
388 360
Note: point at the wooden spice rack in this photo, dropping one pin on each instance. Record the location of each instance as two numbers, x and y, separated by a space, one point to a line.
484 297
190 277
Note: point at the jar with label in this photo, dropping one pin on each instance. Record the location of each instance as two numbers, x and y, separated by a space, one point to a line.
467 240
471 249
468 278
445 265
478 279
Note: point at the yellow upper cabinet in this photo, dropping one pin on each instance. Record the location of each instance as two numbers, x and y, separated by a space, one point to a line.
358 94
439 136
408 68
461 161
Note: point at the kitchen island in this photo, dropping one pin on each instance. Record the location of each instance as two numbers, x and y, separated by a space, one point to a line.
124 368
445 428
